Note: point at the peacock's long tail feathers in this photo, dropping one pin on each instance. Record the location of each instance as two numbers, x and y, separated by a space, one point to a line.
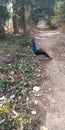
45 54
39 52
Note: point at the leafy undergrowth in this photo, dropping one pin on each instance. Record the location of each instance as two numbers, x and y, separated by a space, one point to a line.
18 75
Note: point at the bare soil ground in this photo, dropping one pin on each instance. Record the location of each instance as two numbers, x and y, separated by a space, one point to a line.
52 94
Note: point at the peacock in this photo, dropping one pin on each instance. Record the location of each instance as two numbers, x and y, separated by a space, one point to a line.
39 51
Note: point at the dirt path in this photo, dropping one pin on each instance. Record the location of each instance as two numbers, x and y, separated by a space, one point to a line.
53 80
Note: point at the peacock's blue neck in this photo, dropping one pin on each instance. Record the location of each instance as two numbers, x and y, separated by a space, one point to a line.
33 44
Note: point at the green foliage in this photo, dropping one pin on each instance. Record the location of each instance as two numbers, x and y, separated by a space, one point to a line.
62 12
2 31
34 11
4 15
59 10
31 11
17 77
42 10
3 2
36 15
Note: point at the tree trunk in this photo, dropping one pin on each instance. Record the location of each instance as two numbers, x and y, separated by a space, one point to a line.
14 18
15 24
23 19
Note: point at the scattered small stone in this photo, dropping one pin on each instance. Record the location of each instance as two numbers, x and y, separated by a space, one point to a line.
12 80
49 89
12 72
15 114
33 112
0 105
38 95
9 64
53 101
11 97
36 88
27 99
38 75
2 98
39 70
2 121
28 46
8 55
36 102
43 128
19 97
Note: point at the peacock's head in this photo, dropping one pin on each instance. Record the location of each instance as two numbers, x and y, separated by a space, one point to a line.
33 39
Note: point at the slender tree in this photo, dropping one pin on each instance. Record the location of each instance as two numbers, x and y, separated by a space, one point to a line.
15 16
4 15
23 17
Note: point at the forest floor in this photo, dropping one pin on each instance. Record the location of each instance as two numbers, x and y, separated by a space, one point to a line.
32 88
52 93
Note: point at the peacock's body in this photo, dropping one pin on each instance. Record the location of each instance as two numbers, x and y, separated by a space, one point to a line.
39 51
